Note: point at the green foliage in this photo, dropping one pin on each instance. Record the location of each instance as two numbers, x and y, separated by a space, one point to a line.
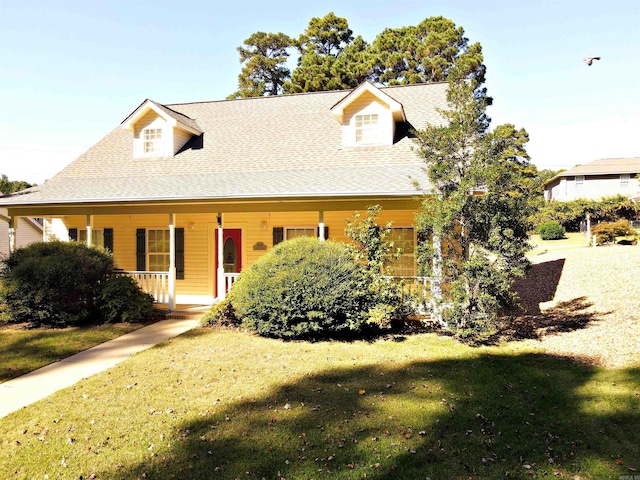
221 314
432 51
608 232
551 230
571 214
479 294
61 284
12 186
120 299
264 71
475 210
306 289
331 58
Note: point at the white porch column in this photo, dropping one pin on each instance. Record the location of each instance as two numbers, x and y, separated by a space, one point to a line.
89 224
13 227
172 261
220 270
321 226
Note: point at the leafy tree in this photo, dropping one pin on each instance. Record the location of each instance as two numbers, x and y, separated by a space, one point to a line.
475 212
320 46
431 51
331 58
12 186
265 71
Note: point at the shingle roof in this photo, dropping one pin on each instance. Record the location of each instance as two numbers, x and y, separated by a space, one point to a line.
278 146
604 166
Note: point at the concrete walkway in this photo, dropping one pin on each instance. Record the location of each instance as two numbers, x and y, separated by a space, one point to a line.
41 383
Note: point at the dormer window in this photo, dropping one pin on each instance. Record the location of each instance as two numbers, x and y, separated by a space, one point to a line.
367 129
152 141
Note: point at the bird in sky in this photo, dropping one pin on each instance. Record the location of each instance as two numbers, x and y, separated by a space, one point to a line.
589 60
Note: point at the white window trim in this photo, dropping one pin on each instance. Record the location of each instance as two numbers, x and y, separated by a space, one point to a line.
625 178
313 229
415 245
157 142
97 236
148 252
370 133
580 181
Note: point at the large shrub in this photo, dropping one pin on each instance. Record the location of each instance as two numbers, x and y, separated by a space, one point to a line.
551 231
607 232
120 299
64 283
304 288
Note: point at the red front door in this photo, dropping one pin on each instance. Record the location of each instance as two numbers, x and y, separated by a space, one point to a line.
231 250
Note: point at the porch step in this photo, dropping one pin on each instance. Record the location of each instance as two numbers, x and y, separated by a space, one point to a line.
187 313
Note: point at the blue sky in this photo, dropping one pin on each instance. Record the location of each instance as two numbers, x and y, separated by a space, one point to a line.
71 71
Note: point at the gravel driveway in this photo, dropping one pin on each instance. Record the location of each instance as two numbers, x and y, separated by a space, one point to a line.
585 302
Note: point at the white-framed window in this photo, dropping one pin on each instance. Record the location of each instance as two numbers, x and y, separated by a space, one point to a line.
97 237
158 250
403 238
579 182
152 141
367 129
624 180
295 232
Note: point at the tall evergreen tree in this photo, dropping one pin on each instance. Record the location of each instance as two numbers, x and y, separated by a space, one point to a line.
475 211
264 72
427 52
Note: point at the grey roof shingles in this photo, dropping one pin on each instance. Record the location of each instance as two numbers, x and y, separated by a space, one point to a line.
256 148
603 166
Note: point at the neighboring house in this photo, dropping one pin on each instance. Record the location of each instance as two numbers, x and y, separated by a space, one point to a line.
186 195
28 231
595 180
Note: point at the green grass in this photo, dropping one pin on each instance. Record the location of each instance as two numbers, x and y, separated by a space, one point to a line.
224 404
24 350
571 240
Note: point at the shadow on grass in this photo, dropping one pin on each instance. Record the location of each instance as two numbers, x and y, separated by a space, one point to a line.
490 416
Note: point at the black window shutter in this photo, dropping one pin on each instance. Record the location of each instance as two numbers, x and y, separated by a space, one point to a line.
180 253
108 239
326 232
73 234
141 249
278 235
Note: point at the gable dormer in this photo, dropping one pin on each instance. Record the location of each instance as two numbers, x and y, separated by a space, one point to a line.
368 116
159 131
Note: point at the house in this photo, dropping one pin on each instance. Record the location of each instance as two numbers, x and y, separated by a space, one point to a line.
596 180
187 195
29 230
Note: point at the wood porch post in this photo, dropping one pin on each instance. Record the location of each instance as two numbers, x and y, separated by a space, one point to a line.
172 261
13 227
220 270
89 223
321 226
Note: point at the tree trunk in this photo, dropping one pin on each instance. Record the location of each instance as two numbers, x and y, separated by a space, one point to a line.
436 281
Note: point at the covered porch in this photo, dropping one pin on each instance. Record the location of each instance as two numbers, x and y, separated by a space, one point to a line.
176 250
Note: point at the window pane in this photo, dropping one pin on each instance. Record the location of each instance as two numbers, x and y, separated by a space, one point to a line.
404 239
158 248
300 232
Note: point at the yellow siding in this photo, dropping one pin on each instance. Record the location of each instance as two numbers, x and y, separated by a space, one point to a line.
200 233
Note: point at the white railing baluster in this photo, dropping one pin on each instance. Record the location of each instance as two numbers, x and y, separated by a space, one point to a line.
153 283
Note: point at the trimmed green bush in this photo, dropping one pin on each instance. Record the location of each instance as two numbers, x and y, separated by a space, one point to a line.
608 232
304 289
61 284
120 299
551 231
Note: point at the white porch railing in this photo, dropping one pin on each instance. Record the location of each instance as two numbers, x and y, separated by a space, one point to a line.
155 284
229 280
417 287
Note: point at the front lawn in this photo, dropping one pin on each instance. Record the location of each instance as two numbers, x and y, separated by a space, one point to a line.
226 404
23 350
